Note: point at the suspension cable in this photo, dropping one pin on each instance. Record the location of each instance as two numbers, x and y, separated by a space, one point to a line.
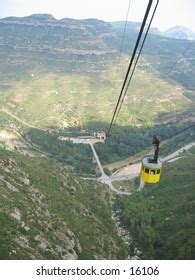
131 61
116 112
169 71
122 43
139 53
177 133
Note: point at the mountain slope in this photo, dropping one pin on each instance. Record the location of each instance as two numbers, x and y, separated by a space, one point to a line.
179 32
61 107
46 213
61 75
52 62
160 219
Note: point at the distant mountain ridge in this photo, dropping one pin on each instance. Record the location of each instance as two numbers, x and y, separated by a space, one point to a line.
176 32
179 32
48 19
43 31
33 17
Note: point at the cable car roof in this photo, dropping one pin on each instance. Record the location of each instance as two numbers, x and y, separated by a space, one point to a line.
148 164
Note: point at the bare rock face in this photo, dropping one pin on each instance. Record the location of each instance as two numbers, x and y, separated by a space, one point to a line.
90 35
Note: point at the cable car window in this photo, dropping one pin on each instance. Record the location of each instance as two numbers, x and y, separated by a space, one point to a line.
158 171
146 170
152 171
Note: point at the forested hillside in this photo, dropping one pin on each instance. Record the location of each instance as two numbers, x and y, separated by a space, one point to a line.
46 213
160 219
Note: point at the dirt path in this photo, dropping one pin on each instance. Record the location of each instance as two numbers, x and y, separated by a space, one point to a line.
4 110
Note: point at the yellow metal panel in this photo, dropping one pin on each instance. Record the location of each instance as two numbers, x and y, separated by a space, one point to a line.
149 171
150 178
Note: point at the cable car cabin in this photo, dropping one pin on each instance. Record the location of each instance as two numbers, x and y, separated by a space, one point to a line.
151 171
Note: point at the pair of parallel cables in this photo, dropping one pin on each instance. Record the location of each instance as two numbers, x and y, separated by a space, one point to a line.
134 60
133 63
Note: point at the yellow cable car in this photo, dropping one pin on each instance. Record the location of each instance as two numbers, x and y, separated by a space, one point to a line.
150 172
151 167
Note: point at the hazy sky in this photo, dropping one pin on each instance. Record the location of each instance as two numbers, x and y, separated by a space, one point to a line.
169 13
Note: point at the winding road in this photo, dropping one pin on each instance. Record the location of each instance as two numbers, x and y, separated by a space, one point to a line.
104 178
109 179
128 172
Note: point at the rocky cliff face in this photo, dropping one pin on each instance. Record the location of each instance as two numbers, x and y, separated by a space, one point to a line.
179 32
65 35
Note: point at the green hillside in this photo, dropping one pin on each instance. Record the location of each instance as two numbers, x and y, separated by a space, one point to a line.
53 100
63 78
63 73
160 219
46 213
